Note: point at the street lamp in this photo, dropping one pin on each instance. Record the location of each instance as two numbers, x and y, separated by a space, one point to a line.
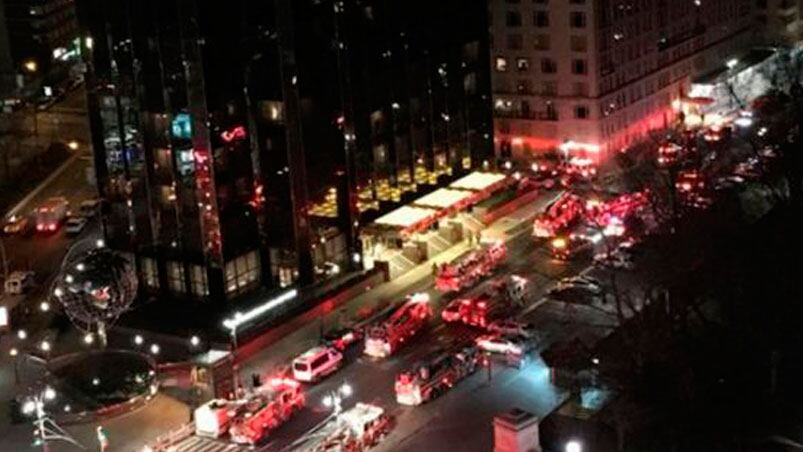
89 338
46 428
22 335
45 346
195 341
73 145
30 66
44 306
138 340
155 349
574 446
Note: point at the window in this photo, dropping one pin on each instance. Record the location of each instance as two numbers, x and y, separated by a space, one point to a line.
524 87
551 112
579 67
175 277
580 89
548 66
514 42
577 19
578 43
581 112
198 281
242 273
500 63
541 42
522 64
541 19
513 19
549 89
150 274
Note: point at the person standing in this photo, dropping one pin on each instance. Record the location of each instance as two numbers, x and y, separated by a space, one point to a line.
103 439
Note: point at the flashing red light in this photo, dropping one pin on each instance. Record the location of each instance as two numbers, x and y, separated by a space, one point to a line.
40 227
51 227
237 133
481 304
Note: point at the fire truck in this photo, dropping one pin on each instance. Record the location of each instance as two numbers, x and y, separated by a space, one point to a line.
613 214
269 407
475 311
435 376
470 269
384 339
668 154
564 212
355 430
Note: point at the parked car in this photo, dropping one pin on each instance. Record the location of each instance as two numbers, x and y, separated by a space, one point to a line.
75 225
500 343
512 327
582 282
616 259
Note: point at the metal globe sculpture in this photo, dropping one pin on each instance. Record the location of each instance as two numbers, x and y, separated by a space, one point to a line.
95 288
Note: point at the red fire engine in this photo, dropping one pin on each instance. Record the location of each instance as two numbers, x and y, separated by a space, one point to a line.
617 210
567 210
476 311
355 430
270 406
384 339
436 376
470 269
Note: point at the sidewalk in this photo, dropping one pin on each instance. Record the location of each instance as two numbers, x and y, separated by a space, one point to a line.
420 278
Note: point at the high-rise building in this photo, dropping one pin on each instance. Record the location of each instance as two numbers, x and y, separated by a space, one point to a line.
780 22
242 144
37 35
590 77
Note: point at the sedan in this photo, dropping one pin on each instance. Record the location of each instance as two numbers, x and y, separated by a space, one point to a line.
75 225
15 224
495 343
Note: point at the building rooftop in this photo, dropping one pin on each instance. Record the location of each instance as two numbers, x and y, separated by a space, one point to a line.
743 61
477 181
405 216
443 198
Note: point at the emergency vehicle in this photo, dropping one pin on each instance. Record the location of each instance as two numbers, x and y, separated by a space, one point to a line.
268 407
668 154
470 269
473 311
435 376
384 339
355 430
317 363
564 212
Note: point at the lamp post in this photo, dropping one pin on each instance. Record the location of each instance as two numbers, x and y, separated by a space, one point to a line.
574 446
46 428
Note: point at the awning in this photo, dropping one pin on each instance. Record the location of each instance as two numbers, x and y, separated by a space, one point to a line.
406 217
444 198
478 181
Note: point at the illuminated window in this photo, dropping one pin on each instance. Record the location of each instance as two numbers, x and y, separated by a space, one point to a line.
198 281
242 273
150 274
175 277
182 126
522 64
500 63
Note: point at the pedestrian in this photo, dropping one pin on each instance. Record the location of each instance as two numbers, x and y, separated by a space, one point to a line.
103 439
434 269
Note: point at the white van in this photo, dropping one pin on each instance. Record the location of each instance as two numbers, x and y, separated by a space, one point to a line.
19 282
317 363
